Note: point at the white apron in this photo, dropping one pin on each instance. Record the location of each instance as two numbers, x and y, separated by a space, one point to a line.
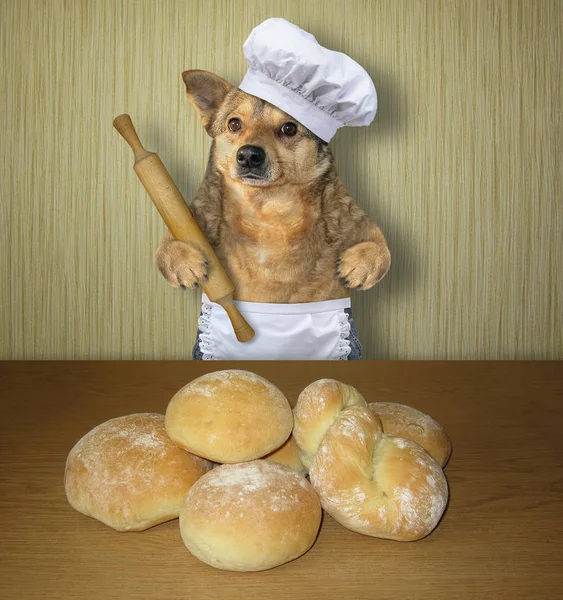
307 331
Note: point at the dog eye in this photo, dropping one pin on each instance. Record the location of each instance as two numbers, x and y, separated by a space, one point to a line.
289 129
235 125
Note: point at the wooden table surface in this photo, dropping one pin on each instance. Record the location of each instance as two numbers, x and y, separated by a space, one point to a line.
501 536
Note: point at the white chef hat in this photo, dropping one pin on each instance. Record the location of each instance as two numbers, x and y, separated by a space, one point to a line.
322 89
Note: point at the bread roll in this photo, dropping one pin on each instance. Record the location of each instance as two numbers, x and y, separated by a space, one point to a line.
288 455
250 516
317 407
407 422
229 417
376 484
128 474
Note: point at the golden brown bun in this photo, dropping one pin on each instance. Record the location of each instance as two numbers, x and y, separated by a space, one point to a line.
288 455
229 416
317 407
128 474
375 484
407 422
250 516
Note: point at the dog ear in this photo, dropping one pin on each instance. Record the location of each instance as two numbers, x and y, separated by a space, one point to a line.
206 93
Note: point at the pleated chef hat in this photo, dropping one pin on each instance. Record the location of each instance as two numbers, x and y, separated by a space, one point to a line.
324 90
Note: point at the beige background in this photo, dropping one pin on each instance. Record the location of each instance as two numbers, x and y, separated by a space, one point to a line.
461 169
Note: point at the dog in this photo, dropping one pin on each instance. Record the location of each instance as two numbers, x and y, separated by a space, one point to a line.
272 206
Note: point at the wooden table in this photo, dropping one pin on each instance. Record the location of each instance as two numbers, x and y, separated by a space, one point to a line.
501 536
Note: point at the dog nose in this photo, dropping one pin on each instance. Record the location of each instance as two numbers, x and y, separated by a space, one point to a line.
251 156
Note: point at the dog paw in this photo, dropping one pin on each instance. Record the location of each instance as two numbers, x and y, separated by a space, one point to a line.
182 265
363 265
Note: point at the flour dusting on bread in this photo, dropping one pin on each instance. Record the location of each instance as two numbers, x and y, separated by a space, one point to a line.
242 485
408 422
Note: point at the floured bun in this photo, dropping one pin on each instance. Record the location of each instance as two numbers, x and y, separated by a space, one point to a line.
288 455
407 422
128 474
376 484
229 417
317 407
250 516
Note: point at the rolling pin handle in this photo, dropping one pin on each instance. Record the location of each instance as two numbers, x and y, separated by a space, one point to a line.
125 127
242 329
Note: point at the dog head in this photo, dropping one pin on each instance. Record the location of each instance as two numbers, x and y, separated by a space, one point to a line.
254 143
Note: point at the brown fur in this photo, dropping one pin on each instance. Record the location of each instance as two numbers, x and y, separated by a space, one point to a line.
298 236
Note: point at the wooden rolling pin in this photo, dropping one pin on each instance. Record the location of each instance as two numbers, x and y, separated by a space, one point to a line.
181 223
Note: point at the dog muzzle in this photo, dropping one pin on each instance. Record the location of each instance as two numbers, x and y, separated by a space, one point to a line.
307 331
